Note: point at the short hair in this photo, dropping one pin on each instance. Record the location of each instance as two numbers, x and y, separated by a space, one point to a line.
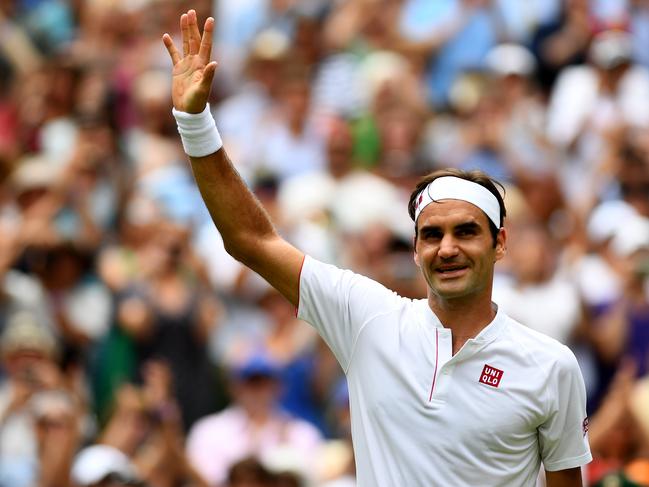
249 469
474 176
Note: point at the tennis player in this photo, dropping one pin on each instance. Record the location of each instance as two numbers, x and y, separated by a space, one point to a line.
444 391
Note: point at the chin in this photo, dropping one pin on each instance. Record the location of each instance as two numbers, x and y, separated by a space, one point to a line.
448 292
451 295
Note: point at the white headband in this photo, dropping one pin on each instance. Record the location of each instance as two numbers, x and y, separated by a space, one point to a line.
454 188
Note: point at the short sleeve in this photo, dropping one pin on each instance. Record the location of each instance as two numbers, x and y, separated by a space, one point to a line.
563 436
338 303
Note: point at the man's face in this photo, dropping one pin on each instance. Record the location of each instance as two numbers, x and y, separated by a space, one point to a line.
455 251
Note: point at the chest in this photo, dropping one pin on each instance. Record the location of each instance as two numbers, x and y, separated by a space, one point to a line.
483 396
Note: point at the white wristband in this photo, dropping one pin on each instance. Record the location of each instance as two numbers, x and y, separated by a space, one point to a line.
198 132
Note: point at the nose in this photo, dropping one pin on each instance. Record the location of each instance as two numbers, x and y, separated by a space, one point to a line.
448 247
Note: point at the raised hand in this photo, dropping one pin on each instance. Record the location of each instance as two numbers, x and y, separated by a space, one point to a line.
193 71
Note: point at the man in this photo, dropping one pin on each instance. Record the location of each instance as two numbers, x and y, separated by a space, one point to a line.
443 391
253 425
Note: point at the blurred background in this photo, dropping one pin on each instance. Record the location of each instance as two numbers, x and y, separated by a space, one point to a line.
135 351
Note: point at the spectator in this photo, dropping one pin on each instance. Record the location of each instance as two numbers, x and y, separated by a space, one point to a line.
622 331
562 40
538 291
252 425
170 314
146 427
34 388
609 92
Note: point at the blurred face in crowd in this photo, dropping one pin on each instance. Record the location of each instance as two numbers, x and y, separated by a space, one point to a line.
531 254
455 250
295 97
23 364
167 246
257 393
339 149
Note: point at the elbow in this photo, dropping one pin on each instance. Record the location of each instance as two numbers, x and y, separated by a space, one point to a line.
250 250
244 251
237 251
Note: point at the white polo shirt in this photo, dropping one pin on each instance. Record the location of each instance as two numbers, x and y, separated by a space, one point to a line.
510 399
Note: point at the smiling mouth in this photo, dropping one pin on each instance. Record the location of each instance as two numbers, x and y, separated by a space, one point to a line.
451 270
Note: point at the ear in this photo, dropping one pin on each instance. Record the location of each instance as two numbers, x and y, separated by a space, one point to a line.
501 244
415 255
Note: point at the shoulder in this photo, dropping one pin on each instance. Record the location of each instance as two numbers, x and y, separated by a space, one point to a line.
576 74
299 428
546 351
216 423
346 282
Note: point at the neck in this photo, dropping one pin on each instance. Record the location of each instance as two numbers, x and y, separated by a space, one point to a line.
465 317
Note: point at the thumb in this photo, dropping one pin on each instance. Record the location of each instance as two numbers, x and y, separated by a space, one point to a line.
208 75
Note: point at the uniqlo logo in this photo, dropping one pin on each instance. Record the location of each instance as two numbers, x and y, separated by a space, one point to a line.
491 376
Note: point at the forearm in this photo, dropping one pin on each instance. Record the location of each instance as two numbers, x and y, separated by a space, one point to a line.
238 215
559 48
564 478
245 227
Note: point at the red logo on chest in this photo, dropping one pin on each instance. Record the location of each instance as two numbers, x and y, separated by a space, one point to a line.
491 376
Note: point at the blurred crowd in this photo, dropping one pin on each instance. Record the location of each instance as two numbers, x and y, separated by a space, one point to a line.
135 351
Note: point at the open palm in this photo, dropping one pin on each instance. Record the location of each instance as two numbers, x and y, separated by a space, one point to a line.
193 71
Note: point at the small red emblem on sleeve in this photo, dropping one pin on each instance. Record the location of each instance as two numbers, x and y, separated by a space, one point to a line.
491 376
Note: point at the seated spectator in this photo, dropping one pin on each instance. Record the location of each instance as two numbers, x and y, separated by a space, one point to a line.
623 331
19 291
616 433
252 425
146 427
35 398
78 300
170 313
57 419
537 293
306 368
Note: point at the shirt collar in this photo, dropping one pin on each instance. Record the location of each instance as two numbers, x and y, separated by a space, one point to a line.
486 335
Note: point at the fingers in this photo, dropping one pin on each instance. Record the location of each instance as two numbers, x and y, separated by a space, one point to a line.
184 29
194 34
192 42
206 42
171 49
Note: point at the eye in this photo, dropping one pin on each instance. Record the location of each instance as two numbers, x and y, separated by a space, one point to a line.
466 231
432 234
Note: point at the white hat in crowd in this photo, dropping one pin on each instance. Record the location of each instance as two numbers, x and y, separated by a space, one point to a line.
510 59
611 48
631 237
94 463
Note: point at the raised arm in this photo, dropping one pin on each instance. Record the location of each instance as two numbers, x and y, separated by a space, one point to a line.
248 233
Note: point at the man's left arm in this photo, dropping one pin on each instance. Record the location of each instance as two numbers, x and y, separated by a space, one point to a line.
570 477
563 436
